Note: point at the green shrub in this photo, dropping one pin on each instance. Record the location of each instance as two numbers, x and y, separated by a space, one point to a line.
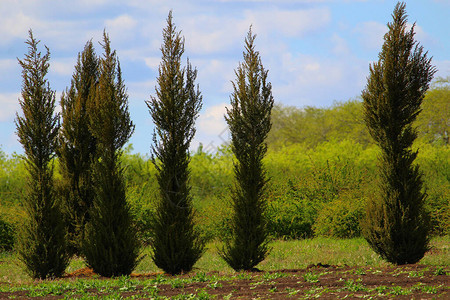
289 215
7 235
142 206
213 218
435 163
340 218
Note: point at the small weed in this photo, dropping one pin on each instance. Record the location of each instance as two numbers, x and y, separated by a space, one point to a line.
439 271
311 277
360 271
381 289
203 295
200 277
398 290
255 284
47 289
126 285
215 285
272 276
243 276
291 291
152 290
316 292
273 289
177 283
159 279
429 289
184 297
354 286
413 274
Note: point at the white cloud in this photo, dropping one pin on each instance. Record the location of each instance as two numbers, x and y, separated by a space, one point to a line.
312 80
297 1
443 68
340 46
7 66
216 73
152 62
212 121
63 66
10 105
121 28
371 34
212 34
142 90
15 25
291 23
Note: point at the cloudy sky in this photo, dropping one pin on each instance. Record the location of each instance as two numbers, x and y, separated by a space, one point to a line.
316 51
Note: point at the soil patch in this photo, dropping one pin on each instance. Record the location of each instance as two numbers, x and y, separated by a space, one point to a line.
315 281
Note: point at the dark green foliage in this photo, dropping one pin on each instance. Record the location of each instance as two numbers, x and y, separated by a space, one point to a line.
176 243
7 235
249 123
41 243
397 225
111 246
77 147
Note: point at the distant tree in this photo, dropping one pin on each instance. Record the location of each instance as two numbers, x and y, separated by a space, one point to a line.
41 242
397 225
249 123
312 126
176 243
77 149
434 121
111 245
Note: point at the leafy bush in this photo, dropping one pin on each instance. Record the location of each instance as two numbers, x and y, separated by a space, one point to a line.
435 163
289 215
7 235
341 218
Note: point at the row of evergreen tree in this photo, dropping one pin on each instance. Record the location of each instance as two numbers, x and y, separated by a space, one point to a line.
86 213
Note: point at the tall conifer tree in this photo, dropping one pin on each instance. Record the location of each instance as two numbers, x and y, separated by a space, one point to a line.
41 243
249 123
77 149
111 245
176 243
396 225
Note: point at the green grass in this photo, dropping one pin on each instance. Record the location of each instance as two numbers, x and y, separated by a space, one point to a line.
296 254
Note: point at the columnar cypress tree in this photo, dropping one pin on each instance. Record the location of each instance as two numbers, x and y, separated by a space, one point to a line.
397 225
111 246
77 147
249 123
176 243
41 243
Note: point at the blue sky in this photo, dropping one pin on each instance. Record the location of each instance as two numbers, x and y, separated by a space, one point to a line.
316 51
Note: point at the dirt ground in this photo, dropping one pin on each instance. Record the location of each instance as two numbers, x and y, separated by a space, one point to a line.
316 281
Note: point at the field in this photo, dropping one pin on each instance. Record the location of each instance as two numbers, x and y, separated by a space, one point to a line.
301 269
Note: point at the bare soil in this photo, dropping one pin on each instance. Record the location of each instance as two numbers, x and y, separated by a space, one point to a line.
316 281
